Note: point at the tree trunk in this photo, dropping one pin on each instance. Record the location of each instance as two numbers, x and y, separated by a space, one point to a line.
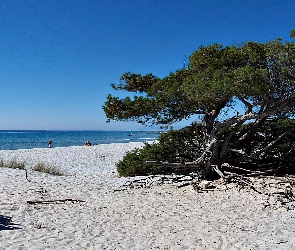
210 156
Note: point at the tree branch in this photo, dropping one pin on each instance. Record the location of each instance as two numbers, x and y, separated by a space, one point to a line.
270 145
244 137
247 104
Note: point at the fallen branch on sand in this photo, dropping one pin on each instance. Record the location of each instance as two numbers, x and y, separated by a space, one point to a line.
53 201
27 175
275 189
177 181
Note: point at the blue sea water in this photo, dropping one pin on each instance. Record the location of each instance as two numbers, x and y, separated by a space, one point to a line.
26 139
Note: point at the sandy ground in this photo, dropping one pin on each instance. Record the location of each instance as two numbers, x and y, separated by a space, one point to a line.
92 215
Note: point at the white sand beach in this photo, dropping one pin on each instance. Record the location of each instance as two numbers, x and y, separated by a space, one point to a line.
92 215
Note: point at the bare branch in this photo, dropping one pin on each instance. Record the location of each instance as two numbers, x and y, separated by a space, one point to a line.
270 145
225 144
247 104
244 137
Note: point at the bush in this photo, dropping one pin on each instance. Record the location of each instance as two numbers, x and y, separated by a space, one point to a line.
42 167
172 146
133 162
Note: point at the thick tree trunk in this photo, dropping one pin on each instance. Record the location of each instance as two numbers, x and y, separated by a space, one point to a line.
210 156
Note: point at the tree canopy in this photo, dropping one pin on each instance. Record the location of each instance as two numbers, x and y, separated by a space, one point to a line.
255 80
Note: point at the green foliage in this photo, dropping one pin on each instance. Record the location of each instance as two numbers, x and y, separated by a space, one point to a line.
173 146
216 74
42 167
133 162
12 164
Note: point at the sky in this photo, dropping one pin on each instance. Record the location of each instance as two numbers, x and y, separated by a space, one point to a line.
58 58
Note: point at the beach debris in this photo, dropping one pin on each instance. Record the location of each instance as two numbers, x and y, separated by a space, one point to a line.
6 223
205 184
27 175
54 201
278 191
39 225
158 180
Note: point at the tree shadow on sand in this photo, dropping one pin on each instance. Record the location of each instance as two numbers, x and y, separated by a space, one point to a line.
6 223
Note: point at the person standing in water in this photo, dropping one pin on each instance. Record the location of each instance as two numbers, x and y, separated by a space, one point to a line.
49 143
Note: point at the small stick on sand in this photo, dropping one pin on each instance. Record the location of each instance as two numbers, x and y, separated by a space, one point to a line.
53 201
27 175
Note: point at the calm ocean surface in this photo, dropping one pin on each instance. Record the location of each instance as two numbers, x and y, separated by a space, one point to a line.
25 139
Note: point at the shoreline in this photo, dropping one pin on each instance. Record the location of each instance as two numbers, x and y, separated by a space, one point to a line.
89 214
39 139
78 146
74 146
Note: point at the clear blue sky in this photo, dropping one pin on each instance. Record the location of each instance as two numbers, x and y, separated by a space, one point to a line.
58 58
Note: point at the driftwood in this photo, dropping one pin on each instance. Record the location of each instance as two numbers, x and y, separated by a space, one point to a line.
53 201
164 163
180 167
192 166
173 165
242 181
281 192
27 175
253 173
283 185
158 180
218 171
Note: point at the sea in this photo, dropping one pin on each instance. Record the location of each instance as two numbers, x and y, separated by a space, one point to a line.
28 139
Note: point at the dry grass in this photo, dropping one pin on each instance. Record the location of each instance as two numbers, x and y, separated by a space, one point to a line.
44 168
40 167
12 164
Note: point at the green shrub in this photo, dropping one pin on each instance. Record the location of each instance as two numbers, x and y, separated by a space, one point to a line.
172 146
42 167
133 162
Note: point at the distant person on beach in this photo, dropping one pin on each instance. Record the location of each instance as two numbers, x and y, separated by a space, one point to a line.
87 143
49 143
